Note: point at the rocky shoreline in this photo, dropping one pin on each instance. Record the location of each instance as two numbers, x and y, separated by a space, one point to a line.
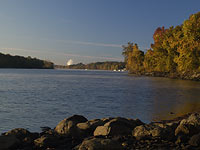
78 133
195 76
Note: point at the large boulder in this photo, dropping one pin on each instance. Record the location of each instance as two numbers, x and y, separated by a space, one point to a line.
19 133
87 128
24 136
142 131
46 141
117 126
146 131
167 129
100 144
8 141
189 126
68 126
195 140
102 130
171 125
105 120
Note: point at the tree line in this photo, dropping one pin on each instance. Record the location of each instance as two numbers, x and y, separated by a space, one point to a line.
108 65
175 50
8 61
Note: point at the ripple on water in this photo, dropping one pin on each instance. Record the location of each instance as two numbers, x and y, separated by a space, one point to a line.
34 98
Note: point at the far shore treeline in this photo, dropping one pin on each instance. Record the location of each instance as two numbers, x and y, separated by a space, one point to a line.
8 61
108 65
174 53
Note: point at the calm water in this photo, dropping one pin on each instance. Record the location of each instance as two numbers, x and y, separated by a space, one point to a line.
34 98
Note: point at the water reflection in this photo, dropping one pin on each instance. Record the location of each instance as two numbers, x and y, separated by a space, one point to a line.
174 98
34 98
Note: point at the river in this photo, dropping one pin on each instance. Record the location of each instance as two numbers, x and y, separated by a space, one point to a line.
31 98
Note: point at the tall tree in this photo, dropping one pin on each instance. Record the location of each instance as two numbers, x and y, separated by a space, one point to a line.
134 58
189 49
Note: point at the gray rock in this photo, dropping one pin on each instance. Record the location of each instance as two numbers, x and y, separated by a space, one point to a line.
105 120
167 129
68 126
142 131
181 139
189 126
87 128
123 121
182 129
145 131
24 136
100 144
19 133
8 141
46 141
172 125
102 130
90 124
195 140
116 126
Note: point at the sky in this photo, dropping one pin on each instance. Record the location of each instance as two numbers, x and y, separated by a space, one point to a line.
85 30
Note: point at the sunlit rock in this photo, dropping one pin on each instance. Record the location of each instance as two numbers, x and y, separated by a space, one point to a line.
68 126
117 126
189 126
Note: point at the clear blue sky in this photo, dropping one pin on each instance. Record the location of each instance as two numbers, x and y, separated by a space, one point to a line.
85 30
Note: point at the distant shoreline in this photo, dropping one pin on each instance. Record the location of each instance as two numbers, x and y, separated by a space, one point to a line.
9 61
107 65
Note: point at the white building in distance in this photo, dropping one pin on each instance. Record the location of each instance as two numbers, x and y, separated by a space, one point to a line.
70 62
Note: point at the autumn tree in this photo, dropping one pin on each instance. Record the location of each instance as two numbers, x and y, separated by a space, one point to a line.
150 61
134 58
175 50
189 49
